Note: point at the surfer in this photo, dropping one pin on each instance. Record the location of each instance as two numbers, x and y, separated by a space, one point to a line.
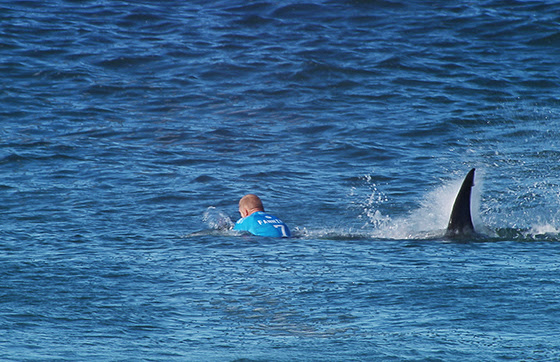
256 221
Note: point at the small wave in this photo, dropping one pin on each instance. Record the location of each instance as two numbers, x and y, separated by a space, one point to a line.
12 158
305 10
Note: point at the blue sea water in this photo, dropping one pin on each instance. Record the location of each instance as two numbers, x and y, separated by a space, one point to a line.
129 131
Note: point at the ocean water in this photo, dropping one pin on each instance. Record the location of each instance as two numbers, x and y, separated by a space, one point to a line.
129 131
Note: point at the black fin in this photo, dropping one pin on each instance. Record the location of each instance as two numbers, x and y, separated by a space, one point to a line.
460 222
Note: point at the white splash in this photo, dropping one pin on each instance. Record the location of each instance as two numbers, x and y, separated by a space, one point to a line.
216 219
430 219
543 229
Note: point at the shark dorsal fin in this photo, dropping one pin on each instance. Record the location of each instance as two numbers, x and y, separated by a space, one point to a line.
460 222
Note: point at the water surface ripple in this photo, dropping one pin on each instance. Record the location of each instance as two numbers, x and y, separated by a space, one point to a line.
129 130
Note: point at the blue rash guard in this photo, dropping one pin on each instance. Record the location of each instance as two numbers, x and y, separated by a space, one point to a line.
263 224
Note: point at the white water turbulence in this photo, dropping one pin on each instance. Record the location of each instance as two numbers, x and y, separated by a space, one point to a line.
217 220
217 223
430 219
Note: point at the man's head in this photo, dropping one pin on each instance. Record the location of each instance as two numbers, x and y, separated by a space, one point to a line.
249 204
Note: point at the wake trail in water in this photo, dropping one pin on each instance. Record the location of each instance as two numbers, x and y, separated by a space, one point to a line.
430 219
